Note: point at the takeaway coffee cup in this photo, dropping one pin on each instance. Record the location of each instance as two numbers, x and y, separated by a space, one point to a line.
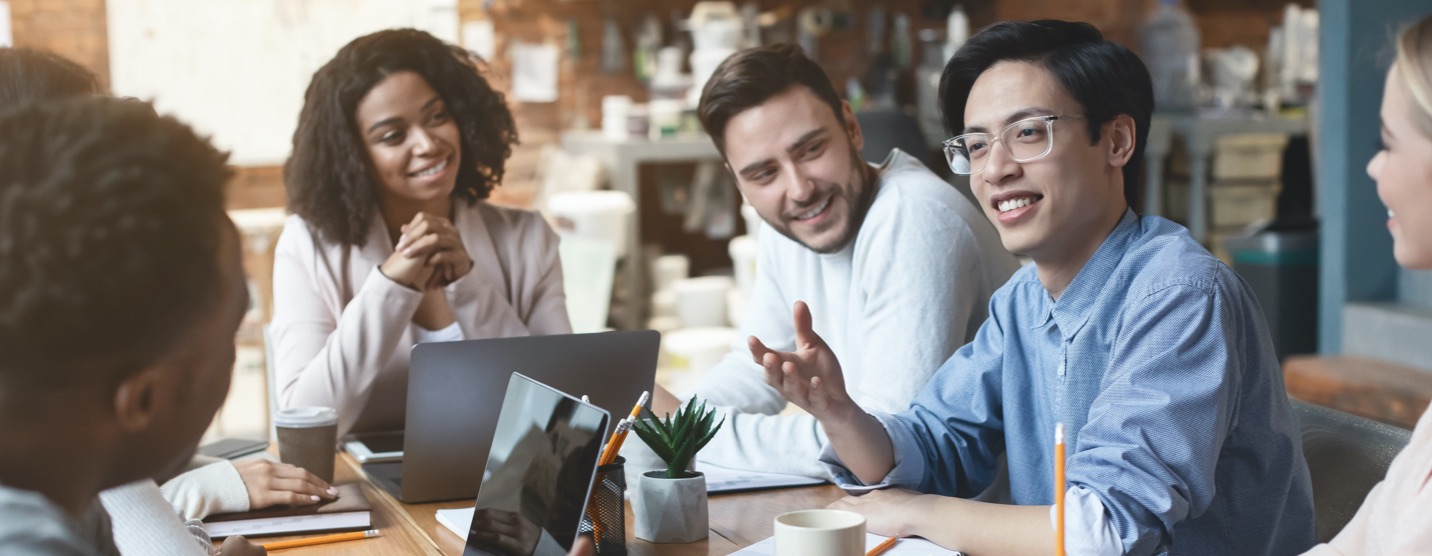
825 532
308 437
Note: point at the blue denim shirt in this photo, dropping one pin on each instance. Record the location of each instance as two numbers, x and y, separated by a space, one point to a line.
1158 361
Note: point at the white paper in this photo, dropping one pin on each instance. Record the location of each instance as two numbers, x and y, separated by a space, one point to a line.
6 38
457 520
534 72
903 547
720 479
480 37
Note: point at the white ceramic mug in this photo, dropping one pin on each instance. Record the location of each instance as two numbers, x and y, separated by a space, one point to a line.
823 532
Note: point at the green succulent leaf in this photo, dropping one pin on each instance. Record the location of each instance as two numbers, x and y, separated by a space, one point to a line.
677 438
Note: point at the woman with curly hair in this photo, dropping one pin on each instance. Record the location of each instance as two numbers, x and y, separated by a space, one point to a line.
1396 517
391 242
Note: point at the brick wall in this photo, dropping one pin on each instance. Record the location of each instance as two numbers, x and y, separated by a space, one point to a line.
77 29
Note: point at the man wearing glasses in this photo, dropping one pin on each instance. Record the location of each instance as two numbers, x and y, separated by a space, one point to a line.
900 265
1151 353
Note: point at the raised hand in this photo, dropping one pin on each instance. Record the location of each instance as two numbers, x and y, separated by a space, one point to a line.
810 376
409 265
436 237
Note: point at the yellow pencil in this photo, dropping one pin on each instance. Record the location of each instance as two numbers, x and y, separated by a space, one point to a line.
1059 489
340 537
882 547
619 432
619 435
640 403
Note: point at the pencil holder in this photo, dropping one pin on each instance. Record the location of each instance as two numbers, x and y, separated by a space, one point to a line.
605 521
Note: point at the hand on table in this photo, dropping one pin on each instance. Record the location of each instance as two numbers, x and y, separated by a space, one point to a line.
272 484
890 512
507 532
809 377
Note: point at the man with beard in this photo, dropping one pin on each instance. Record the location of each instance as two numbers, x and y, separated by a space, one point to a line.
899 263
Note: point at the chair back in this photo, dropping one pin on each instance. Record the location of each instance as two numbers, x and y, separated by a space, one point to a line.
1347 456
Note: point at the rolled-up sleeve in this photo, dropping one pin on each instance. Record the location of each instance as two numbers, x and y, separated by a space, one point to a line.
909 470
948 441
1151 445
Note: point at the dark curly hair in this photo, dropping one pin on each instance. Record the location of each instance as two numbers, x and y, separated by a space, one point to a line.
329 177
28 75
110 223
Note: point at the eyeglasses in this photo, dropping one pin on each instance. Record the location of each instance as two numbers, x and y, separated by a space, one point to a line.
1026 140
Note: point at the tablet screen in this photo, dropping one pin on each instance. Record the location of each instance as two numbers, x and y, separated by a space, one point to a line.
538 475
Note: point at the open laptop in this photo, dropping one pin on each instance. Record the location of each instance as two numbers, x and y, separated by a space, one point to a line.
455 392
538 473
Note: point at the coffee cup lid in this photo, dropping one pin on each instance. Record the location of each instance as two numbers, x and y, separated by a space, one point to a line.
315 416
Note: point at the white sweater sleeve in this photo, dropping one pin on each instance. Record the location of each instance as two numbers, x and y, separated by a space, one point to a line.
212 489
918 270
144 523
736 386
327 359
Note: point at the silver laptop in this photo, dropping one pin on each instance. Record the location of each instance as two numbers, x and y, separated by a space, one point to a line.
455 392
538 473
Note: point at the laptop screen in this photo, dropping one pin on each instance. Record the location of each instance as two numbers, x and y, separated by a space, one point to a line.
539 473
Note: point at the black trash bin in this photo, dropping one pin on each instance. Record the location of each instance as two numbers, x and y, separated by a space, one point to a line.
1281 265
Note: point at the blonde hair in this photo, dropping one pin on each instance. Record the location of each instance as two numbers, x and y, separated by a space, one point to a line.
1414 64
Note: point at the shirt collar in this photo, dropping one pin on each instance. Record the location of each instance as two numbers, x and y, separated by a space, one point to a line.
1071 311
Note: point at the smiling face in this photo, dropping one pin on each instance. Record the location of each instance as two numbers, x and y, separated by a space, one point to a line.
800 168
413 143
1060 207
1403 172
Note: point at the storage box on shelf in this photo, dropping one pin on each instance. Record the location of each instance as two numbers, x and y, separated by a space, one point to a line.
1246 180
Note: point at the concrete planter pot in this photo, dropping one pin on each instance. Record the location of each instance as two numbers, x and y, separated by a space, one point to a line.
671 510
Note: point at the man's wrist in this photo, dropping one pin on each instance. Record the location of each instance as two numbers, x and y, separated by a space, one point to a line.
842 417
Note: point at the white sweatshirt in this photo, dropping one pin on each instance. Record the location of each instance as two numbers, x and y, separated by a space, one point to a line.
911 288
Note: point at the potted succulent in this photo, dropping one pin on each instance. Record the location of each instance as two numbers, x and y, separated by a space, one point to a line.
670 504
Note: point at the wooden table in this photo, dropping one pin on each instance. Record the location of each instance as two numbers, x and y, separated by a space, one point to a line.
737 520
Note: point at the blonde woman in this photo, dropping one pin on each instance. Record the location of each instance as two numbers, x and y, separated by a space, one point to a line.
1396 517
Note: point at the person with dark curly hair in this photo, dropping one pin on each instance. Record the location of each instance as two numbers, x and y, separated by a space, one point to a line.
207 485
121 290
391 242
